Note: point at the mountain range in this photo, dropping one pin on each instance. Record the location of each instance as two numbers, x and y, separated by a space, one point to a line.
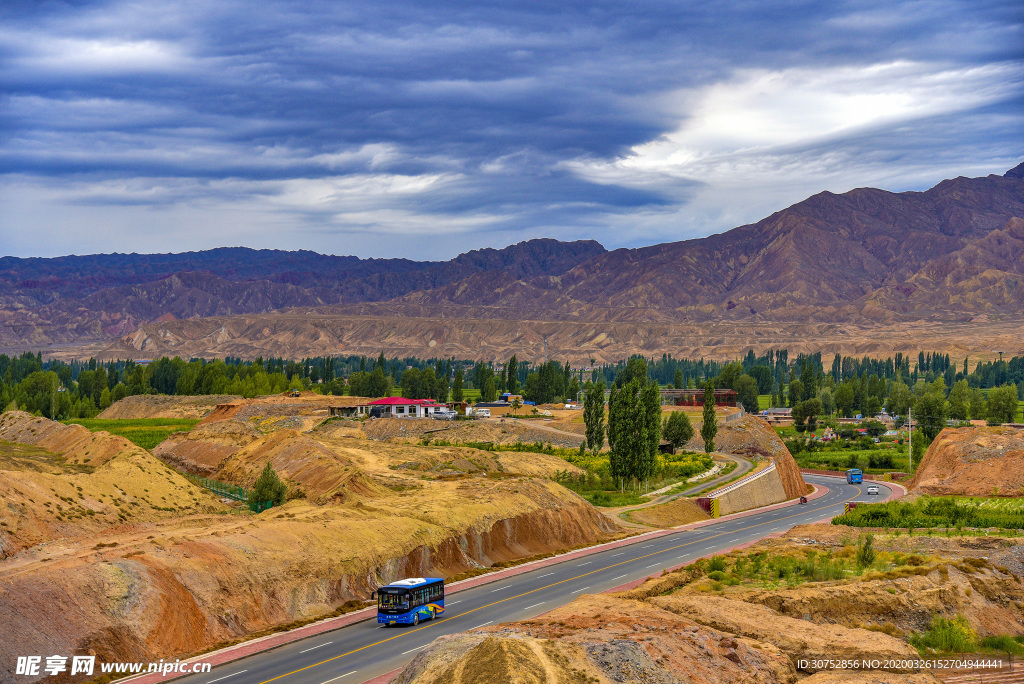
843 267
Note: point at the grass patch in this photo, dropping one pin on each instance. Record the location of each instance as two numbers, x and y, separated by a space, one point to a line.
947 636
613 499
939 512
143 432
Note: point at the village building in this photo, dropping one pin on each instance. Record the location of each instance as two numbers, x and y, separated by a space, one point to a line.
394 407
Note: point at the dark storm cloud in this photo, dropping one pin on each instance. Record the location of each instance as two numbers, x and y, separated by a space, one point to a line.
477 118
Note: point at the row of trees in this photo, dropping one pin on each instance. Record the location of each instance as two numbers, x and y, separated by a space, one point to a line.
849 387
635 426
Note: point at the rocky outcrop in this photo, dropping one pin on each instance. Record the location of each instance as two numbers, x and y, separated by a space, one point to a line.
974 461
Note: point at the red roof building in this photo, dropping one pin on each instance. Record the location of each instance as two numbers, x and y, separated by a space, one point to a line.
398 407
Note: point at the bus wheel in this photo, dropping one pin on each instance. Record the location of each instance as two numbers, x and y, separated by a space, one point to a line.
415 619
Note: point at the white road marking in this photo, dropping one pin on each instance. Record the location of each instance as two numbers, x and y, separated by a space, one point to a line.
579 590
618 554
340 676
415 649
587 563
654 565
619 577
483 625
226 676
547 575
316 647
646 546
452 603
535 605
499 589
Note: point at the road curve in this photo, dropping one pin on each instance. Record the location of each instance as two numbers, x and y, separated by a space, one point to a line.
363 650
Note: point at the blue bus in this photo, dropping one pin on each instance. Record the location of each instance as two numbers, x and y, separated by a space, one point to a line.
408 601
854 476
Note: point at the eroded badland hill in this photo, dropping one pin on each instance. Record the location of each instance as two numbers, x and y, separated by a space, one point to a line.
106 548
867 271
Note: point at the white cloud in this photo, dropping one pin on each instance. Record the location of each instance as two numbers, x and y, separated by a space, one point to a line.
50 54
748 127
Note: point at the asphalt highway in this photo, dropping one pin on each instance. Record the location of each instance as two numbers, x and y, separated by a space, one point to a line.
365 650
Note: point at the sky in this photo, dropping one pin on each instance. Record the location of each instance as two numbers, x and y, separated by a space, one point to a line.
423 130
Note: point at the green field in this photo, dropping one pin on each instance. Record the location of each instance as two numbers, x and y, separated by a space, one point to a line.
145 432
841 459
944 511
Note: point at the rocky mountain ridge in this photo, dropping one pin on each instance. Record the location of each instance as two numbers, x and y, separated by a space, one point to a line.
864 260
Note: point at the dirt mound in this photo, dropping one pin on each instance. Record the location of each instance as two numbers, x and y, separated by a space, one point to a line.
799 639
162 406
74 442
307 404
62 481
508 431
598 638
321 473
676 512
752 437
207 447
973 461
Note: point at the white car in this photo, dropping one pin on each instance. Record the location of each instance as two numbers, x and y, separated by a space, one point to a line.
872 489
443 414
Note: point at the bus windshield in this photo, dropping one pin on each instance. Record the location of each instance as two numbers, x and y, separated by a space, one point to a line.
393 600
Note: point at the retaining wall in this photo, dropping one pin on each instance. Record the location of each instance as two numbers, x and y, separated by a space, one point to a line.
762 491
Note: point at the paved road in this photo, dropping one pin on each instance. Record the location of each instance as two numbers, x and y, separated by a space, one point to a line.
362 651
742 466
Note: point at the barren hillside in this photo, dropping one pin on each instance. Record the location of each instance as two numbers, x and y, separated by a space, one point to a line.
179 572
974 461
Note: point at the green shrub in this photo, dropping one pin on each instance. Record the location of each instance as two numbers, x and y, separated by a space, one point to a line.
717 563
948 636
268 487
866 552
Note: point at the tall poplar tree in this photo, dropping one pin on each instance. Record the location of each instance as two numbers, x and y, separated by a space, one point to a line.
593 415
709 428
634 429
457 385
512 373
